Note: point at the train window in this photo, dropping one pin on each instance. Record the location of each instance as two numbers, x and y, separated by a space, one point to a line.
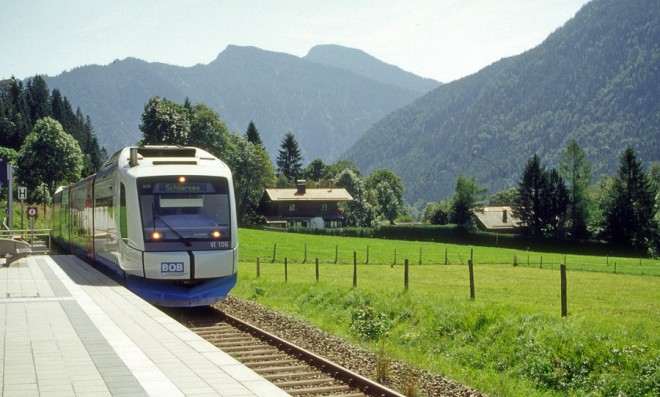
123 228
195 209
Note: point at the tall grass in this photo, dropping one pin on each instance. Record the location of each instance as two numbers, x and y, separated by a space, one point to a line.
510 340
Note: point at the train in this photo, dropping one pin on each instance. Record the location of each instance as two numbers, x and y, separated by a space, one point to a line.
159 219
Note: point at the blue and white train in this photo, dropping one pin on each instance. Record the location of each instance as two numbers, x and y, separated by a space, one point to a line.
161 219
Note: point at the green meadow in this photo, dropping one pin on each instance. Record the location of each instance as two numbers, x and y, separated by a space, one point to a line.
510 340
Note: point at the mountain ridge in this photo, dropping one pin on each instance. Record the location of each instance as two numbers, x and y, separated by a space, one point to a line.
325 107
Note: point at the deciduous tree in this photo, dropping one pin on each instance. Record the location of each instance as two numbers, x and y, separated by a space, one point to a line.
388 203
466 197
253 172
316 170
49 155
164 123
358 212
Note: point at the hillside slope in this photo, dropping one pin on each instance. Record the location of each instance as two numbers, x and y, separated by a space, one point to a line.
597 80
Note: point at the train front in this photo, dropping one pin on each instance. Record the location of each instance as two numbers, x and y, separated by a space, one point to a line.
188 227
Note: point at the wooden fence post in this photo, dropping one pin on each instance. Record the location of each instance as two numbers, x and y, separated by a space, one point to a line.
541 263
286 270
354 269
274 252
258 267
420 255
405 275
305 257
336 253
394 263
367 261
446 257
470 266
564 305
317 269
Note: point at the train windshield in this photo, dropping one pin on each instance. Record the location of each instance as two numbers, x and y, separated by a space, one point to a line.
185 209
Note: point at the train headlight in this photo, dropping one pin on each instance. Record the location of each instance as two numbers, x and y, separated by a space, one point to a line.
156 235
182 179
216 234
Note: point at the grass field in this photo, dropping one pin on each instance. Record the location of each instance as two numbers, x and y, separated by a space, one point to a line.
509 340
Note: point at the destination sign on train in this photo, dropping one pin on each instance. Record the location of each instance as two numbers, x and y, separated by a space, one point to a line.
183 188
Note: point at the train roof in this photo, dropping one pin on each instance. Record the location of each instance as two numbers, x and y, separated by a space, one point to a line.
160 155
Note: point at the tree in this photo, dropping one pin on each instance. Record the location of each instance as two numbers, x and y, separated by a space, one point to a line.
207 131
252 135
380 196
529 205
253 172
438 213
466 197
337 168
555 202
49 155
504 198
391 179
164 123
15 121
576 171
388 203
289 159
358 212
316 170
38 98
629 210
19 107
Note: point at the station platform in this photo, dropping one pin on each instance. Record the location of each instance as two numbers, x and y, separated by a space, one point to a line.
68 330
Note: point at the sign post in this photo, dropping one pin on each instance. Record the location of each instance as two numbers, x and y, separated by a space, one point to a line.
33 212
10 200
22 195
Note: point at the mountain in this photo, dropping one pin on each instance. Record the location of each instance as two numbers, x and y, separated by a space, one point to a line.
363 64
596 80
325 107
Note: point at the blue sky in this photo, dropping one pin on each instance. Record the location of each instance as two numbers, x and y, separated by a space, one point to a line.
440 39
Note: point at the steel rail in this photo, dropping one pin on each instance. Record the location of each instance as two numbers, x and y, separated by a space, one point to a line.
352 379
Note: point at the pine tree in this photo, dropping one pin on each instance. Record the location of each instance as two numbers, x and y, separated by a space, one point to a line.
529 204
628 214
576 171
556 200
38 98
289 159
252 135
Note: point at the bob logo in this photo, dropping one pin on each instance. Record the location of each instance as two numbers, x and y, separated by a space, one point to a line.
172 268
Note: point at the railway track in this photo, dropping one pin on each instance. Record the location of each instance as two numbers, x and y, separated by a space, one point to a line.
291 368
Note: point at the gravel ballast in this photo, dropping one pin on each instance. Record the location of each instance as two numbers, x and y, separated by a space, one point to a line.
400 376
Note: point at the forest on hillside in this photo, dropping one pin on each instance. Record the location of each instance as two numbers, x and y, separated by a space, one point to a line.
596 80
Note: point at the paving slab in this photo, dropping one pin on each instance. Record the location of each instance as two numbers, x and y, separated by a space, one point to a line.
68 330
